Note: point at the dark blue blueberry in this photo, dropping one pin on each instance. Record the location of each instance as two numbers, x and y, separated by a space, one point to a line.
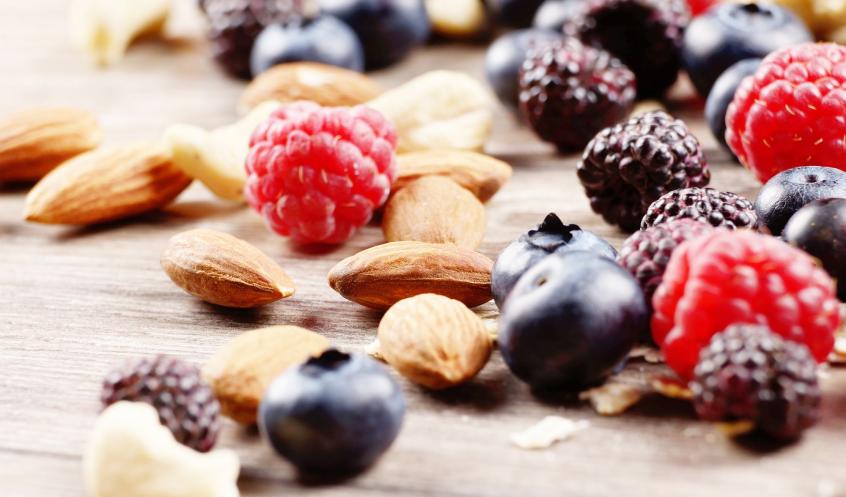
571 320
552 14
551 237
731 32
325 40
336 413
788 191
505 57
388 29
819 228
722 94
514 13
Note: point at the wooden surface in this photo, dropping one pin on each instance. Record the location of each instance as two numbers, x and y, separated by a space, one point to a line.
75 302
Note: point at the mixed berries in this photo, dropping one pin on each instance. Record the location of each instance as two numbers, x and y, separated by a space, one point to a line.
719 209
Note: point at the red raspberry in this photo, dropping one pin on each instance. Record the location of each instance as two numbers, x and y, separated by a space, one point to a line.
732 277
316 173
790 113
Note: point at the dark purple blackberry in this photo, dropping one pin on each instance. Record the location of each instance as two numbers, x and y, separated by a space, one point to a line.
627 167
645 34
235 24
749 373
184 401
720 209
569 91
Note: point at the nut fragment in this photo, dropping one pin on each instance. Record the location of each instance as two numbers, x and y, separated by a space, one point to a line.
481 174
240 371
224 270
547 432
383 275
35 141
670 387
434 341
327 85
612 399
106 184
457 18
435 209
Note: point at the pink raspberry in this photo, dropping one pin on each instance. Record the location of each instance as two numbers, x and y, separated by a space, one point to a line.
317 174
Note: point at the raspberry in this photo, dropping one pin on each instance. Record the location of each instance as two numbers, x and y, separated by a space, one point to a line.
316 174
720 209
728 277
790 113
184 401
627 167
568 92
749 373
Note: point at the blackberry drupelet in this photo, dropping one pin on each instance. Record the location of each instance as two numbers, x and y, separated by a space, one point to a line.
748 372
184 401
569 91
720 209
628 166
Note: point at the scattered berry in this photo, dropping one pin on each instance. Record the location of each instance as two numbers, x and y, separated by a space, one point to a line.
786 192
749 373
504 58
569 91
729 277
514 13
719 209
819 228
699 7
336 413
722 93
731 32
627 167
551 237
316 173
184 401
791 112
571 320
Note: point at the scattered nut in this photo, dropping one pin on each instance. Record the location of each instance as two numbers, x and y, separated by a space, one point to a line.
457 18
670 387
547 432
648 354
374 350
481 174
612 399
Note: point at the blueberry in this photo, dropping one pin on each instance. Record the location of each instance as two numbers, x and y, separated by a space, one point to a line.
722 94
786 192
514 13
731 32
550 237
336 413
571 320
553 13
388 29
325 40
505 57
819 228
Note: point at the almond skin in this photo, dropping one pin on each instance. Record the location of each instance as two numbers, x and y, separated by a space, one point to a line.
224 270
435 209
35 141
434 341
105 185
481 174
383 275
241 370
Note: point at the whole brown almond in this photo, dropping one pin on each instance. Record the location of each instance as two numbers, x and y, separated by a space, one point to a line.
241 370
434 341
327 85
481 174
383 275
435 209
105 185
35 141
224 270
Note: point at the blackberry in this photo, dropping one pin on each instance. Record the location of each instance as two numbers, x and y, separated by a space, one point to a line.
184 401
748 372
720 209
645 34
627 167
569 91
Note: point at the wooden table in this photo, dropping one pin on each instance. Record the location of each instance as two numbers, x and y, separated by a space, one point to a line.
77 301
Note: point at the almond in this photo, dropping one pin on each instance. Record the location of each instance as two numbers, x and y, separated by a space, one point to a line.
481 174
383 275
224 270
435 209
327 85
35 141
240 371
105 185
434 341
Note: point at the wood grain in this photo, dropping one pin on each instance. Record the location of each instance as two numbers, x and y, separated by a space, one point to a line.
76 301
